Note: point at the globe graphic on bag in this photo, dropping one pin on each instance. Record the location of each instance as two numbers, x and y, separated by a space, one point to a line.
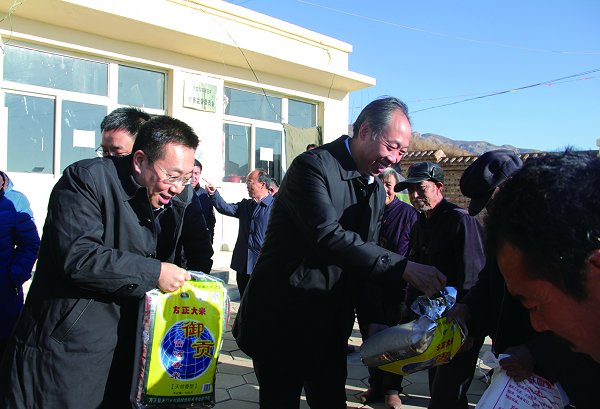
186 350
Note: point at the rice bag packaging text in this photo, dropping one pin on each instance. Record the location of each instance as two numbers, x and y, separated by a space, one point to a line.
179 344
428 341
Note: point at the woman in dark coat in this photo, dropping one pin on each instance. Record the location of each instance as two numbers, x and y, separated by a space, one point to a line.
19 244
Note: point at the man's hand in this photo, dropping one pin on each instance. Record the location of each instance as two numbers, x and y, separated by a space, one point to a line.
460 313
172 277
426 278
210 188
519 365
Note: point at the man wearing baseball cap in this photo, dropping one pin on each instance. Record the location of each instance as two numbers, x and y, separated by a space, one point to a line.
486 175
447 237
491 311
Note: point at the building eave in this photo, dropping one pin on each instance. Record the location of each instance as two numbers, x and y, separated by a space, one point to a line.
203 29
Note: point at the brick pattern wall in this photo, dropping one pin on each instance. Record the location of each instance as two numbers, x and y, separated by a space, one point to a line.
453 166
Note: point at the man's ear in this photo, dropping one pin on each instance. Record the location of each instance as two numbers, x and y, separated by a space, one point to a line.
138 159
593 273
362 131
594 259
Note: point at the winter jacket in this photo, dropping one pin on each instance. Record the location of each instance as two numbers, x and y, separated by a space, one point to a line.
19 244
73 346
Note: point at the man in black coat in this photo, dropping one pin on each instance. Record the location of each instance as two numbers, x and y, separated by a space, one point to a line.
492 310
110 236
447 237
119 130
297 312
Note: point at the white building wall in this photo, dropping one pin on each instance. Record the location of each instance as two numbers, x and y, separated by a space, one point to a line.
188 40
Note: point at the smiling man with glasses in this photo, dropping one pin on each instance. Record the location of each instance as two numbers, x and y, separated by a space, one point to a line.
113 232
320 251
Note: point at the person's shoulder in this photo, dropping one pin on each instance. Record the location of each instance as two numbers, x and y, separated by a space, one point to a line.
94 166
19 200
93 173
460 214
404 206
326 157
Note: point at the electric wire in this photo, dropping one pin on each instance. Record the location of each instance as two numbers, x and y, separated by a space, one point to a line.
510 90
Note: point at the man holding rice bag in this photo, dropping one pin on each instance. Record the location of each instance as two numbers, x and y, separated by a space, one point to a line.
110 236
447 237
298 309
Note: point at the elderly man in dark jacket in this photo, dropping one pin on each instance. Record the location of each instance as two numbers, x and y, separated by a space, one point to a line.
110 236
447 237
297 312
19 244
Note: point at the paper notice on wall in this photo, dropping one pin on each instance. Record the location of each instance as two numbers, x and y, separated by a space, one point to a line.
84 139
266 154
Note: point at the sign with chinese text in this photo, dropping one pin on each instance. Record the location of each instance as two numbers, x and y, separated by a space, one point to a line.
200 95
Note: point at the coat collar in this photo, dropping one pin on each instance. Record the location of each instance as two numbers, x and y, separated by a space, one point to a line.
124 167
347 166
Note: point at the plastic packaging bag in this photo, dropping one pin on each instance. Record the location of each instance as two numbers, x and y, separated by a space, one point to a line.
179 344
426 342
506 393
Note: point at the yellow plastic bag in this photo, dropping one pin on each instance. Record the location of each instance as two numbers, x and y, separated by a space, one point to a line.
447 339
181 338
421 344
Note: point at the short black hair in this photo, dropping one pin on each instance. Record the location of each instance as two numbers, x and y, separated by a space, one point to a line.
161 130
130 119
378 113
549 211
197 163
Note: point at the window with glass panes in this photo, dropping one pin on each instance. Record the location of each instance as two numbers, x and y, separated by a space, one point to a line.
55 103
253 132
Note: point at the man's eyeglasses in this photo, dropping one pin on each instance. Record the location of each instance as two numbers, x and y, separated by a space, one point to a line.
171 180
402 150
102 153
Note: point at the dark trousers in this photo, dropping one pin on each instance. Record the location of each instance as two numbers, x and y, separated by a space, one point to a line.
3 344
449 383
242 281
281 381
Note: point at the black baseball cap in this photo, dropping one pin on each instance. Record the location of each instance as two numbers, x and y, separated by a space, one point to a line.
420 171
489 171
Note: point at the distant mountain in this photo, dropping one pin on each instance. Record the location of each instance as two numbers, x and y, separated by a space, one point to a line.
431 141
472 147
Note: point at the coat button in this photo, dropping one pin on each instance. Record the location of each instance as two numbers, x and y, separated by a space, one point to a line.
131 287
385 259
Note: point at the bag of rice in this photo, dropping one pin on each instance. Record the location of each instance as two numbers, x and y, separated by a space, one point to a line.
180 338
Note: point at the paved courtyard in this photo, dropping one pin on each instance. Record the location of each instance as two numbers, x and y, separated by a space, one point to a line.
237 387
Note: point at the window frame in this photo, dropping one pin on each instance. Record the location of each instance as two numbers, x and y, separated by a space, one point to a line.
257 123
60 95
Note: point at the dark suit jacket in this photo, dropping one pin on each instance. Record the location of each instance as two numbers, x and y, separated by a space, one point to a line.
319 247
207 210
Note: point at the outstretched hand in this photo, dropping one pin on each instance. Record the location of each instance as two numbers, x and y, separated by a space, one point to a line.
519 365
172 277
426 278
210 188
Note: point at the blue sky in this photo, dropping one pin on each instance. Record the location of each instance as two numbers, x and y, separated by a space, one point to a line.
434 52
